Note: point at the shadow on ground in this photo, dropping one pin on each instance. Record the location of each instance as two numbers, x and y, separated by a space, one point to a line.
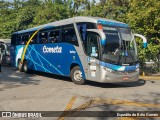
49 75
140 82
11 78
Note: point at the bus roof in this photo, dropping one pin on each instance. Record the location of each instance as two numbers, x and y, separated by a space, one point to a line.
96 20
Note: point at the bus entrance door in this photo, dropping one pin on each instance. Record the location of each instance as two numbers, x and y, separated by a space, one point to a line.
93 55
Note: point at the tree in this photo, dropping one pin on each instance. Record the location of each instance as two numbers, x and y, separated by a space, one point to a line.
144 18
6 19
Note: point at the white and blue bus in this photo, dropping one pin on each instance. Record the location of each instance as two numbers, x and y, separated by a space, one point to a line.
84 48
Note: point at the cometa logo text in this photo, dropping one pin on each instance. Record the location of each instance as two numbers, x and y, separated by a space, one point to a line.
52 49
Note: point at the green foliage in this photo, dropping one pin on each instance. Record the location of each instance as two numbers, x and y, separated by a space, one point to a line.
144 18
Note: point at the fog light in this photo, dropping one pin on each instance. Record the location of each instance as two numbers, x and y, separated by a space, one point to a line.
108 78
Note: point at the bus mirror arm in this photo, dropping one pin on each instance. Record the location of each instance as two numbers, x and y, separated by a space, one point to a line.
143 38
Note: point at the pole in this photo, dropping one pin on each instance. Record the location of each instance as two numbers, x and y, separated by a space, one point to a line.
159 62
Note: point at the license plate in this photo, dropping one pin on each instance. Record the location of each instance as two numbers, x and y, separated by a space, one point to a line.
125 78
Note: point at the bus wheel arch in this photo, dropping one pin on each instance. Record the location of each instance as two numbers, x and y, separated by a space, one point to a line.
76 74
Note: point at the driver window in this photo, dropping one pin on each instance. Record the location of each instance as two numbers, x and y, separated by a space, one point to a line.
92 45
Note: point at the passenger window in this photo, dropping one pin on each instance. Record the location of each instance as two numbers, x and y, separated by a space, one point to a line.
54 36
18 41
88 25
82 28
43 37
25 39
69 35
34 39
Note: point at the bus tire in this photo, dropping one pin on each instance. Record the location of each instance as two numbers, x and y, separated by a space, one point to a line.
25 67
20 66
76 76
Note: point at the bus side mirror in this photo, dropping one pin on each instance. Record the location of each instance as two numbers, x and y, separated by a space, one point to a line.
143 38
145 45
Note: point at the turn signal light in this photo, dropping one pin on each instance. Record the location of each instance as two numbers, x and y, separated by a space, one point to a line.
100 27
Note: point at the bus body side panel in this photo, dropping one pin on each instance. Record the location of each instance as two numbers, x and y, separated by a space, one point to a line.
84 67
53 58
81 54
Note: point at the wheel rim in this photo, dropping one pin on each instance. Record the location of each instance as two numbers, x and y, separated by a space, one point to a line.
25 67
78 75
19 65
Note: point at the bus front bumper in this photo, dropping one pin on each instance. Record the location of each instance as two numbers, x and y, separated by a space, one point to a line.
118 76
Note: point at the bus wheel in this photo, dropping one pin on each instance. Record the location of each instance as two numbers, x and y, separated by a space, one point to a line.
25 67
20 66
76 76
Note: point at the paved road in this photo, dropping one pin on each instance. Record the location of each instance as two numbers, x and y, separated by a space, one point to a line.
46 92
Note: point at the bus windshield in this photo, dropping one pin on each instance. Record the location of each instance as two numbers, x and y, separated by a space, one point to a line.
120 48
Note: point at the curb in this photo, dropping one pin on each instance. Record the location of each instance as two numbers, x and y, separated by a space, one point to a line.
150 77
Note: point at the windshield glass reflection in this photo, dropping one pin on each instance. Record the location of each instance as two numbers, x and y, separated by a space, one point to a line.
120 47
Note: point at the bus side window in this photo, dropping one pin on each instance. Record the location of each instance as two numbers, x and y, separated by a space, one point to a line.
54 36
82 32
82 26
43 37
25 39
18 41
34 39
69 35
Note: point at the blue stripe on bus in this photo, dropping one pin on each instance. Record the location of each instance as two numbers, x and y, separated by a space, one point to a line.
109 23
103 41
43 58
119 68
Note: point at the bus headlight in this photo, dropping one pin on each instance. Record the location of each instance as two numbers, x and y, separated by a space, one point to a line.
109 70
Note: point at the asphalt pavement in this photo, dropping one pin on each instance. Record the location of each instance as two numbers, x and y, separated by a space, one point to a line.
46 92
